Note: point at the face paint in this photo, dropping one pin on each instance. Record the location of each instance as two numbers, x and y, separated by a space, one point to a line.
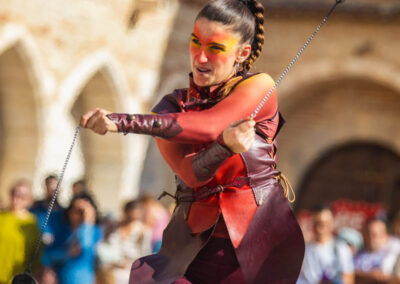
213 52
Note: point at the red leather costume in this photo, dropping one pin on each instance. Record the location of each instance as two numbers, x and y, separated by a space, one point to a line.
213 182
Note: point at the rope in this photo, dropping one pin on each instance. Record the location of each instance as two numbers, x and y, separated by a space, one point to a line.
287 188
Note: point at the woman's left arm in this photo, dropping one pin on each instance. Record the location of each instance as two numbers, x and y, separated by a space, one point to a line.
196 127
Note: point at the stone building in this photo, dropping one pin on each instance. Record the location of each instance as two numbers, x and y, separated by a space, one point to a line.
59 59
341 100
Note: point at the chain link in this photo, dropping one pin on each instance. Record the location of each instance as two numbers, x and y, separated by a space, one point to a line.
53 200
286 71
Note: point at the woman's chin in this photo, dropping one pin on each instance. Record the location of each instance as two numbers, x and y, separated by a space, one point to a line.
202 81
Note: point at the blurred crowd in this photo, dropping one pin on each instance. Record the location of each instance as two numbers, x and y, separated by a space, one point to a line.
347 255
79 245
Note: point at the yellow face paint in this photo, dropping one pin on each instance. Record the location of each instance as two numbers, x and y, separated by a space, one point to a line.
214 49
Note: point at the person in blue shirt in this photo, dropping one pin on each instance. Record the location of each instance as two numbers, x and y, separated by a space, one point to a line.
73 258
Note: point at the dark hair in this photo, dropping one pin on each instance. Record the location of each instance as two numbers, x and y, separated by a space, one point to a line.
88 197
320 207
131 205
50 177
245 17
80 182
378 219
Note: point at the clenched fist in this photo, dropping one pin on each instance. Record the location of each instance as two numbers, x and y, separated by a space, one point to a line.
97 121
239 135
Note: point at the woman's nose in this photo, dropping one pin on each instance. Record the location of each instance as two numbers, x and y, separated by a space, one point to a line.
202 57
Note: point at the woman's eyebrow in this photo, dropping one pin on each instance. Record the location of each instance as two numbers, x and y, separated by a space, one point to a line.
217 44
193 35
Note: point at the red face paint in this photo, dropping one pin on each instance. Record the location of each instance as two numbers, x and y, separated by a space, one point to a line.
213 52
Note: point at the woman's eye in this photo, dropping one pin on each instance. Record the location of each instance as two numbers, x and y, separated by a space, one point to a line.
217 48
195 41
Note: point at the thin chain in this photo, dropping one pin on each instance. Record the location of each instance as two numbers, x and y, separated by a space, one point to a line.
53 200
284 73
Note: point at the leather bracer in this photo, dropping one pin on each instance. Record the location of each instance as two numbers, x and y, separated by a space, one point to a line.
160 125
206 162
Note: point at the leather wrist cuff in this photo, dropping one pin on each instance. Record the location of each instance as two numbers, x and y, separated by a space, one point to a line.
160 125
206 163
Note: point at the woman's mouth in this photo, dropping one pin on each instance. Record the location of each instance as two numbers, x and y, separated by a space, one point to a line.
203 70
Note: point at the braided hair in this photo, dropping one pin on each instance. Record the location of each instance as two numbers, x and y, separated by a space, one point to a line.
244 17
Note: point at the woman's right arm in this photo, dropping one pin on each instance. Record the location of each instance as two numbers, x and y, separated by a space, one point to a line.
197 169
195 127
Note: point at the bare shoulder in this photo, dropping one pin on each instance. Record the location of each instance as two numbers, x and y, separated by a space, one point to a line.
259 81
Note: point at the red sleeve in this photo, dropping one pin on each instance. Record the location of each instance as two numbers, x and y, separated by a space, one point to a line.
181 163
204 126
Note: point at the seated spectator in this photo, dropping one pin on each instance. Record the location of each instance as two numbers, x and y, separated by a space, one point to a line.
131 240
18 233
156 216
375 263
73 258
326 259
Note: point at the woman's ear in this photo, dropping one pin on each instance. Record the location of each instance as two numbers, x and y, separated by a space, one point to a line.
244 53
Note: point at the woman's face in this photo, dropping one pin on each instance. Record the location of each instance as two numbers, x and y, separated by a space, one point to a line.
75 214
214 52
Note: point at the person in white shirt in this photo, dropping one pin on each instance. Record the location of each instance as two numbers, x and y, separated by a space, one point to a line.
327 259
375 263
131 240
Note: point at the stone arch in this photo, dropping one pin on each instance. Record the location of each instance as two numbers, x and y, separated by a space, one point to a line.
23 83
329 105
98 82
358 171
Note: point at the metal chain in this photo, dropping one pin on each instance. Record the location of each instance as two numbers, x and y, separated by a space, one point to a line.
284 73
53 200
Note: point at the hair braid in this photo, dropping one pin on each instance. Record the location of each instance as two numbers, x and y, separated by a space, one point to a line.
258 11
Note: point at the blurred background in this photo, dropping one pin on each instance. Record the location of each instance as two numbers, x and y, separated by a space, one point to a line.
340 145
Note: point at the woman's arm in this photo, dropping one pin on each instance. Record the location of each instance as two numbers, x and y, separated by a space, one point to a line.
198 169
193 127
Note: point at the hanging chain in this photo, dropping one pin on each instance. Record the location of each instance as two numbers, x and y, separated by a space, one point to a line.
77 130
286 71
53 200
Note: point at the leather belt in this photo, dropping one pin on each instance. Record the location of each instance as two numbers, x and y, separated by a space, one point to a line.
205 192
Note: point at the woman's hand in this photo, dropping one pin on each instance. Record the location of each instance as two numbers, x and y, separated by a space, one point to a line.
97 121
239 135
88 211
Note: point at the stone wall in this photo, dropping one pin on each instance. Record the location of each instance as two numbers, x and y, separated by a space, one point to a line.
345 88
59 59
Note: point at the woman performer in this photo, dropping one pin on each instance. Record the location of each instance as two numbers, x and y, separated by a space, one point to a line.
232 223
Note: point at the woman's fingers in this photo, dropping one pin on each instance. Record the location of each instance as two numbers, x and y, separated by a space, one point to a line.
98 121
86 117
240 135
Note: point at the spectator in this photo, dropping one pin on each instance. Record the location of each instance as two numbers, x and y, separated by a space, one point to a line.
73 258
375 263
131 240
55 224
18 233
396 226
352 238
79 187
39 208
396 272
156 216
327 259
